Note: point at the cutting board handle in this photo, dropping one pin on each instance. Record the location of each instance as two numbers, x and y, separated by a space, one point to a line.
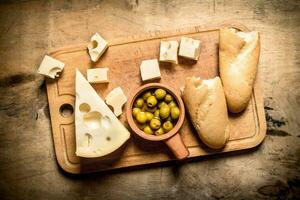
177 146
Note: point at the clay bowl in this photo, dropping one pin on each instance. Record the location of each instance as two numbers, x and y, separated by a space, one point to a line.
172 138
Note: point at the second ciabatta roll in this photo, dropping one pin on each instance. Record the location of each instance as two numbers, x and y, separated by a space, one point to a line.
238 59
206 105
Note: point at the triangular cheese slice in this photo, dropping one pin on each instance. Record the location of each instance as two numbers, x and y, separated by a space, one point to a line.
98 131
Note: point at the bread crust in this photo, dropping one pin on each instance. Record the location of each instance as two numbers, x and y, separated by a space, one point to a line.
238 59
206 105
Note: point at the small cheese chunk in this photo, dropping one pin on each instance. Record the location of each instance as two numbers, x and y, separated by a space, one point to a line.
97 75
98 130
116 98
150 70
189 48
168 51
50 67
96 47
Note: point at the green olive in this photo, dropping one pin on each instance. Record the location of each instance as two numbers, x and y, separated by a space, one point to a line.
146 95
141 117
160 94
151 101
147 108
175 112
139 103
148 130
155 123
164 112
149 116
160 104
167 126
135 111
172 104
159 131
168 98
156 114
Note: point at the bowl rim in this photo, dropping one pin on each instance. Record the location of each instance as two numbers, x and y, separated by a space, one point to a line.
132 123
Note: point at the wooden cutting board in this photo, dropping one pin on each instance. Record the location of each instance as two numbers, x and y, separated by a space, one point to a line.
123 59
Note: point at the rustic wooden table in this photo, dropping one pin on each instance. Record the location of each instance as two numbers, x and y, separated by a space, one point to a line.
28 168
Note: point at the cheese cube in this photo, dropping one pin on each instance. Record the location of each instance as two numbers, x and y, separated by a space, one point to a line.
150 70
50 67
116 99
189 48
97 75
168 51
96 47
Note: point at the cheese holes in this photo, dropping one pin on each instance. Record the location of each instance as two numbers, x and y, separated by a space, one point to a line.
66 110
92 119
94 44
84 107
87 139
54 72
108 138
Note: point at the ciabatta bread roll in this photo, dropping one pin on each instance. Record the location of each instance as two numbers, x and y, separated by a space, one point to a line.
206 104
238 59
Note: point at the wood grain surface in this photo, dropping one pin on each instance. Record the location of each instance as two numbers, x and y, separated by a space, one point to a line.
123 59
28 169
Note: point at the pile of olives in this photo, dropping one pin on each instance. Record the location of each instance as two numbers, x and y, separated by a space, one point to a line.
155 111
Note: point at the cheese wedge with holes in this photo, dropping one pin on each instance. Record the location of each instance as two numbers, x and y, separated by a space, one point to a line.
98 130
116 98
97 47
50 67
